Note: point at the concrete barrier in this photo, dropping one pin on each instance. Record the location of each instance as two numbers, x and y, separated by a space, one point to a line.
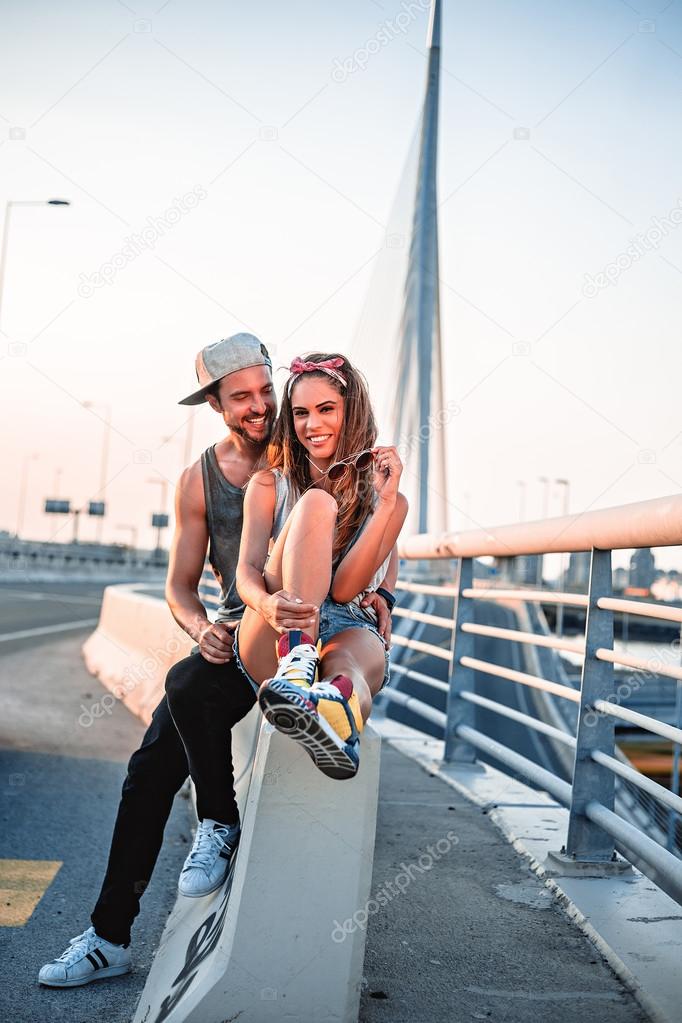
284 939
135 643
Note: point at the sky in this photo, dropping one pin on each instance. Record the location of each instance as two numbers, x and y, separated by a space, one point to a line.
234 166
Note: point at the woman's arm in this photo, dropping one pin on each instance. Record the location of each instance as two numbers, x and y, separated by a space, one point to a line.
259 512
371 549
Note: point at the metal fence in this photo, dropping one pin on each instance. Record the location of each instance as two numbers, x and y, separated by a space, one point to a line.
595 831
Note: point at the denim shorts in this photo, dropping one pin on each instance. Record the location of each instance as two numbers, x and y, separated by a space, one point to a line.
334 618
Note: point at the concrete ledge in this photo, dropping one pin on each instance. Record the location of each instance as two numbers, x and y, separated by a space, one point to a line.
633 924
271 947
135 643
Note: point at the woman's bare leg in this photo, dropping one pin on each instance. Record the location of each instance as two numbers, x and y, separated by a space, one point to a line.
358 654
301 563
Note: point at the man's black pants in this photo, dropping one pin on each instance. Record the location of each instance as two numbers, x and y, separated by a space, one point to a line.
210 698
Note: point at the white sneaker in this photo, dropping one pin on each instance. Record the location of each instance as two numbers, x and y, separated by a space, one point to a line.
209 862
87 958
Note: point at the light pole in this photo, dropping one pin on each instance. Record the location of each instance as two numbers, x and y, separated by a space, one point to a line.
23 487
132 546
9 206
105 456
566 484
160 521
545 509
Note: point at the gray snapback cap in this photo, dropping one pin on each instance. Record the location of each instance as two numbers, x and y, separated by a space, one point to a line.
239 351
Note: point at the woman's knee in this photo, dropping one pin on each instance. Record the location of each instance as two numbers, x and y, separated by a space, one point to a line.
318 503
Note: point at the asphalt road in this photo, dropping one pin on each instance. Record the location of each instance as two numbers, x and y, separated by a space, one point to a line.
60 784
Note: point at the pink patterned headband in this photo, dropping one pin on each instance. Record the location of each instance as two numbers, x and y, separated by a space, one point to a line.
329 366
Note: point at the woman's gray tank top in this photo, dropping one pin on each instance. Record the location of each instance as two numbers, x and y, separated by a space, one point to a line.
225 515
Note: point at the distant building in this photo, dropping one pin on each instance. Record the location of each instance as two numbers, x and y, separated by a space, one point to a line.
642 570
524 569
578 575
620 579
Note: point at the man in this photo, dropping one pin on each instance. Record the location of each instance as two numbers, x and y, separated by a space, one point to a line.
235 378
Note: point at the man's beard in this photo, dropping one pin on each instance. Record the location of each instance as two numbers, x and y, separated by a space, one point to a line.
245 435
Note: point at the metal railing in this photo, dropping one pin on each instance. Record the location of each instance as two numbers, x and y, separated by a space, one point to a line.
595 831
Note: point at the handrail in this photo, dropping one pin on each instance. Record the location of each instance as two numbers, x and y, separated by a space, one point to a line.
532 638
594 828
523 677
517 715
528 596
655 523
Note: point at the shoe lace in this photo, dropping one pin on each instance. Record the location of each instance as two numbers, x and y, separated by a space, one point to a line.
299 664
79 947
209 842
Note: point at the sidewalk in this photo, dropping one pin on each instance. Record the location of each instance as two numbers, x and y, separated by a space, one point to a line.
475 934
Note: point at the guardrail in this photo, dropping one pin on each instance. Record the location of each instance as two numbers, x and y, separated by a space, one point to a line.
595 831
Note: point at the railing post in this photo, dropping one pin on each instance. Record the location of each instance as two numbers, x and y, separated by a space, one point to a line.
587 842
459 711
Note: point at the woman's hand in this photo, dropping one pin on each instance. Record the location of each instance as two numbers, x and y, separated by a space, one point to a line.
283 610
387 471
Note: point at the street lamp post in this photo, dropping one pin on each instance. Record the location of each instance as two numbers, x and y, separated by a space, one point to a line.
23 488
566 484
545 509
9 206
160 521
105 456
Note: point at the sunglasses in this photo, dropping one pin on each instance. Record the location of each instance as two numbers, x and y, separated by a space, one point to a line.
337 471
340 469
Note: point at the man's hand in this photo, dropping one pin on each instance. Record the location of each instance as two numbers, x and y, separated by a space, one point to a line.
380 606
283 610
215 642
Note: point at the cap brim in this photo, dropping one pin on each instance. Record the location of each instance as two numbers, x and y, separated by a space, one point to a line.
198 397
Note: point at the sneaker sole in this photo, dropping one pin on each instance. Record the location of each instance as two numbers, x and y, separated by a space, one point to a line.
209 891
313 733
101 974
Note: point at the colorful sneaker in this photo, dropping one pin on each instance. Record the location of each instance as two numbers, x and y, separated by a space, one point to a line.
87 958
210 860
304 713
296 672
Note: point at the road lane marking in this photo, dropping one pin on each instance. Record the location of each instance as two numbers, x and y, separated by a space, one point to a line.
22 885
60 598
44 630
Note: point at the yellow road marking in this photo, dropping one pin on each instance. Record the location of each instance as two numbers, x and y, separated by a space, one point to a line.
22 885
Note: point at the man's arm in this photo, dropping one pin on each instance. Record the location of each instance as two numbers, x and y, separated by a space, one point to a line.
185 565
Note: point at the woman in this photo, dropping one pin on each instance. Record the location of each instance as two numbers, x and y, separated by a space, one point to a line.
319 528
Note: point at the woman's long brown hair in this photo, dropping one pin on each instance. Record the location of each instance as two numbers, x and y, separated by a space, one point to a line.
354 494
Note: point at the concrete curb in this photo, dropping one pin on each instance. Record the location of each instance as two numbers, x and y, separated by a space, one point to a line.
635 926
135 643
271 944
